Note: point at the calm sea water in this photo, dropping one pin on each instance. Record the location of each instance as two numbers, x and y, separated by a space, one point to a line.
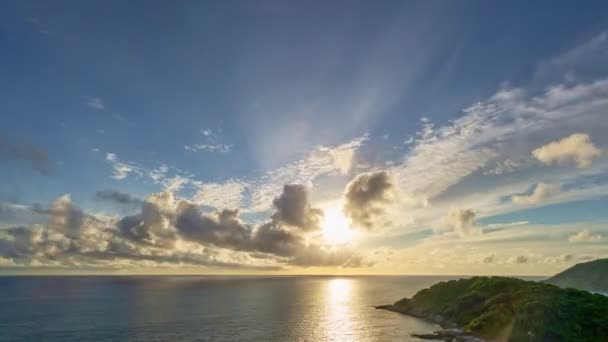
207 308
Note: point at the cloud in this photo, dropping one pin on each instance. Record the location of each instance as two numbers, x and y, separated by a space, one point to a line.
541 193
121 169
322 161
585 236
575 149
210 143
583 61
28 152
442 157
462 222
366 198
96 103
223 229
490 259
159 173
344 155
228 194
175 183
520 259
505 166
118 197
167 231
219 148
293 208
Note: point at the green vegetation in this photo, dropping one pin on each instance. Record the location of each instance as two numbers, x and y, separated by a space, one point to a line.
509 309
591 276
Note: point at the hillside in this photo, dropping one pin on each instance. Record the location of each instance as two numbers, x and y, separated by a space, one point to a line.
509 309
591 276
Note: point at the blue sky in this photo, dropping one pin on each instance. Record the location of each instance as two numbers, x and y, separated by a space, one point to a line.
451 107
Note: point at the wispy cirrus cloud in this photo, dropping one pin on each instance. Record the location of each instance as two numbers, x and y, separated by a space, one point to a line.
122 169
541 192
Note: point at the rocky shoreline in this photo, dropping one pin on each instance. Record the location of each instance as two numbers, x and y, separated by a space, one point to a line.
448 333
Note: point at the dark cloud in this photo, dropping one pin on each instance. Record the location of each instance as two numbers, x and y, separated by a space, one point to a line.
293 208
224 230
366 198
118 197
153 226
521 259
27 152
272 239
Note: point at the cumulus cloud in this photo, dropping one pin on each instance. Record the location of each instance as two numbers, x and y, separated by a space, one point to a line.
322 161
118 197
26 152
541 193
293 208
585 236
366 198
575 149
174 232
461 222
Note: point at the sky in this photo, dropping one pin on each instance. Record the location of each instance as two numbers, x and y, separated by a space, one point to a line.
283 137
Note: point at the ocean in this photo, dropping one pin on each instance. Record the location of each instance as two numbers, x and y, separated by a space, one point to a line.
207 308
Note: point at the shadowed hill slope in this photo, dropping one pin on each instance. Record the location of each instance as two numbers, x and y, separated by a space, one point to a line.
591 276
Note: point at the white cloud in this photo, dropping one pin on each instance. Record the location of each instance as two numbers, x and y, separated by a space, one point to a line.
174 183
121 169
159 173
228 194
96 103
541 192
324 160
585 236
575 149
220 148
211 143
505 166
462 222
578 62
442 157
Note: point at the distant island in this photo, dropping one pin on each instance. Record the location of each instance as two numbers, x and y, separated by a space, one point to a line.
508 309
591 276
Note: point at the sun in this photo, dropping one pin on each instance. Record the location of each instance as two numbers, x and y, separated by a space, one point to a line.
336 228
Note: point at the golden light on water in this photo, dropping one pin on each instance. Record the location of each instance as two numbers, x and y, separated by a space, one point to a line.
336 227
340 325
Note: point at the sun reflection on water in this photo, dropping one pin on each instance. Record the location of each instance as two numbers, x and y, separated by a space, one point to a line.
339 325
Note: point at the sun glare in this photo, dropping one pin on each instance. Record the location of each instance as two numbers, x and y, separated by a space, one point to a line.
336 228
